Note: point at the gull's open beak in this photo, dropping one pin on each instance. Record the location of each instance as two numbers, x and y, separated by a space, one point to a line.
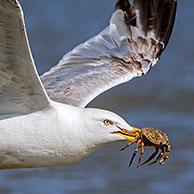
128 135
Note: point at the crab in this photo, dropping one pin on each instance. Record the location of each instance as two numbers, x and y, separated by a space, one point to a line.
149 137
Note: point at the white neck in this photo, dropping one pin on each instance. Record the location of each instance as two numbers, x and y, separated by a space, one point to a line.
55 138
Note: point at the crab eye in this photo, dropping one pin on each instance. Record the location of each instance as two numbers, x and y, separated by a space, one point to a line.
107 122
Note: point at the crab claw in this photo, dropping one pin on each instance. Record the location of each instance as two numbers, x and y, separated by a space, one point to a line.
165 156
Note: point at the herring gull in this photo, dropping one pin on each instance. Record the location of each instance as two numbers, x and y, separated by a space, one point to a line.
43 120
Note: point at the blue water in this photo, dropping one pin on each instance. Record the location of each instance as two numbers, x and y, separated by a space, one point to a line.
164 98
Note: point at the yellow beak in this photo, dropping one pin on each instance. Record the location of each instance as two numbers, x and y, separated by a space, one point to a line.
129 135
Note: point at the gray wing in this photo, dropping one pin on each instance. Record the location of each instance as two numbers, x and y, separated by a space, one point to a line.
21 91
127 48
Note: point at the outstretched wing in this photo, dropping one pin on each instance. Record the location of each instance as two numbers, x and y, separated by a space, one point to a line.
21 91
127 48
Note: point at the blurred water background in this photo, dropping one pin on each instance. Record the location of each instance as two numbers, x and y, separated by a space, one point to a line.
164 98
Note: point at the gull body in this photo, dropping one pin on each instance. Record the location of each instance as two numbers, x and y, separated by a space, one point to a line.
50 137
43 120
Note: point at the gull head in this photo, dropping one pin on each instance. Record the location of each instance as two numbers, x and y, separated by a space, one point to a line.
105 127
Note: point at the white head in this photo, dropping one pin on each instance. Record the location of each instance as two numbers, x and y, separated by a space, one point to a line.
104 126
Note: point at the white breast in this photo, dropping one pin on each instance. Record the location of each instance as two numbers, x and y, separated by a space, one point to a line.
44 138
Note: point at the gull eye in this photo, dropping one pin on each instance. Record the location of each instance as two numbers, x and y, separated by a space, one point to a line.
107 122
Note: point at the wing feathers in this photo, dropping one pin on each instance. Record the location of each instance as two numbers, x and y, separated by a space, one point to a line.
127 48
20 89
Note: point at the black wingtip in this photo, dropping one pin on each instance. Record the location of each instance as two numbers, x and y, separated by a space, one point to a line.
123 5
130 16
157 16
170 18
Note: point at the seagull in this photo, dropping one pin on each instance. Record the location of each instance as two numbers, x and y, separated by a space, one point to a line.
44 121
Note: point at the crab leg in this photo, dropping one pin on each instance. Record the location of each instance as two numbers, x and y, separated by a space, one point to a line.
164 158
141 153
151 157
158 158
135 152
135 140
123 148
